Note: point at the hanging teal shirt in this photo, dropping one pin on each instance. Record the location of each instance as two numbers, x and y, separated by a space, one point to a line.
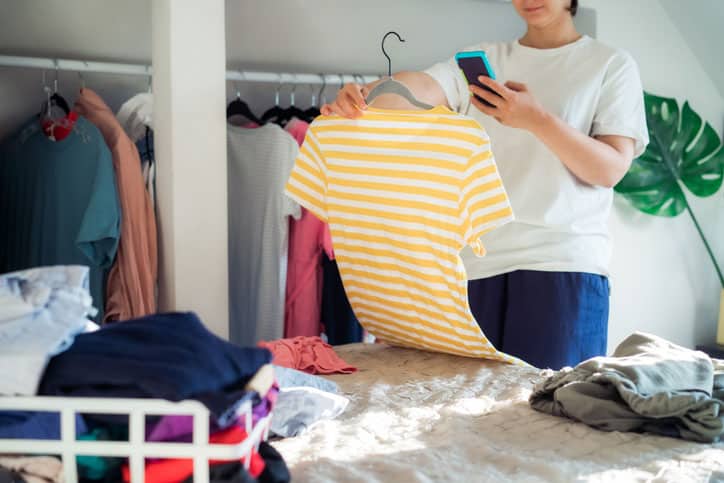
59 203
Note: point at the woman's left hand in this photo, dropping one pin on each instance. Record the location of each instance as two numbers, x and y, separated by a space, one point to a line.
514 107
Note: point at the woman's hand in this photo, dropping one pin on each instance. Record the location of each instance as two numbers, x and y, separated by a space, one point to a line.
349 103
515 106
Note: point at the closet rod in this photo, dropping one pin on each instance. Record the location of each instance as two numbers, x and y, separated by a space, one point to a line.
146 70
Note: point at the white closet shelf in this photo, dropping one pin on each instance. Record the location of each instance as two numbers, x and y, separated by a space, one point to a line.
147 71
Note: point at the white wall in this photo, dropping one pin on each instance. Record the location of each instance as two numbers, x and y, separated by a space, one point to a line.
344 36
662 279
700 22
76 29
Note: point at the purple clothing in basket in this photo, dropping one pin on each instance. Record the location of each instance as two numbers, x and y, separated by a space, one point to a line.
180 428
263 409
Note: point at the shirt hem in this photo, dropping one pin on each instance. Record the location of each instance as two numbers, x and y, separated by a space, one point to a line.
541 267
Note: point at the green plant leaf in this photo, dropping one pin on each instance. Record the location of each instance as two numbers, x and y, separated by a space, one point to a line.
682 149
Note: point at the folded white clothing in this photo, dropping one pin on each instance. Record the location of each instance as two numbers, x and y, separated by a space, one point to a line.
41 312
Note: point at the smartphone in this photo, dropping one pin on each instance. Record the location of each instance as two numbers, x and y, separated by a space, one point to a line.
474 64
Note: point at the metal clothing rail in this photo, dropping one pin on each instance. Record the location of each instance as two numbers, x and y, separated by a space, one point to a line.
147 71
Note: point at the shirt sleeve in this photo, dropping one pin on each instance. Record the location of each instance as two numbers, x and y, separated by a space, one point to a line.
453 82
484 204
620 110
100 228
307 183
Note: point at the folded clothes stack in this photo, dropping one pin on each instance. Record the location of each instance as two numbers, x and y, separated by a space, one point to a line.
305 400
45 338
647 385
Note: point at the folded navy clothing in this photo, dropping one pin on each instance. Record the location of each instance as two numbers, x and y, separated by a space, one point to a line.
34 425
169 356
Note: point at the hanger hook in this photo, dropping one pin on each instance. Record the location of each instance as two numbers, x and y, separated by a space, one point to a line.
313 94
55 82
279 88
389 61
236 83
149 75
321 90
292 94
82 77
47 91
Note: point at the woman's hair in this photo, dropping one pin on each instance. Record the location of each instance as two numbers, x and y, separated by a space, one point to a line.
573 8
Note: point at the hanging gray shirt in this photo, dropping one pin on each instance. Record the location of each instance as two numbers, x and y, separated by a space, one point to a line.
259 163
648 384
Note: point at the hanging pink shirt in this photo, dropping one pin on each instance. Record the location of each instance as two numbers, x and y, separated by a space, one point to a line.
309 238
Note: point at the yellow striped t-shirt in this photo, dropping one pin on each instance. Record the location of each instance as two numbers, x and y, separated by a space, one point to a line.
403 192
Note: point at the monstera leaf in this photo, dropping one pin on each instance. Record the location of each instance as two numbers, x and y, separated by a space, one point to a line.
682 150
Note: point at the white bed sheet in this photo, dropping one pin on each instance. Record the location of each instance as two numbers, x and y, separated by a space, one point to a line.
419 416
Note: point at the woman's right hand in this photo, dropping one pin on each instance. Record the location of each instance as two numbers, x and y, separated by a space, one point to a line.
350 102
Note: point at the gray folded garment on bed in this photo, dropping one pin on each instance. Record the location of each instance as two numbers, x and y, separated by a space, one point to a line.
293 378
648 384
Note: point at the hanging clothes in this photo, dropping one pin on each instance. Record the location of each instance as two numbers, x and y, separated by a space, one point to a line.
338 320
131 284
259 163
58 202
136 118
148 165
309 238
136 114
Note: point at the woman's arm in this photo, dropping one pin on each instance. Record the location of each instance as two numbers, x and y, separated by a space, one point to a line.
600 161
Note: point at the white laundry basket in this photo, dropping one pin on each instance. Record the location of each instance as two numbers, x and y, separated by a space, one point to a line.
136 449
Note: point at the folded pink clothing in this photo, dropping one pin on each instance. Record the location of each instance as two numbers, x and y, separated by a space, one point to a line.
307 354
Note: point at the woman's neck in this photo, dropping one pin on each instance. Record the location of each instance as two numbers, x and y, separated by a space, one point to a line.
557 34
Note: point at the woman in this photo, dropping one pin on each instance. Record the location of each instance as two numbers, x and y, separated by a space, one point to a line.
566 123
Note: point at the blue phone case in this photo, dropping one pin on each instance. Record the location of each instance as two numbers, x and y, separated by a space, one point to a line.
473 54
473 64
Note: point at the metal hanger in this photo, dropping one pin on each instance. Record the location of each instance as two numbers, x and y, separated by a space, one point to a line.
322 98
238 107
276 111
392 86
292 111
313 111
54 99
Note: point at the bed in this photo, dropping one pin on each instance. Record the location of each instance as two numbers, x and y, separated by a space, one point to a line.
419 416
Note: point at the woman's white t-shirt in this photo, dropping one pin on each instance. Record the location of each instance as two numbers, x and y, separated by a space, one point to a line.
561 222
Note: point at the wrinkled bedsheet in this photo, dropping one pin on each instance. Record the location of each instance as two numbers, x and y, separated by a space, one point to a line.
419 416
